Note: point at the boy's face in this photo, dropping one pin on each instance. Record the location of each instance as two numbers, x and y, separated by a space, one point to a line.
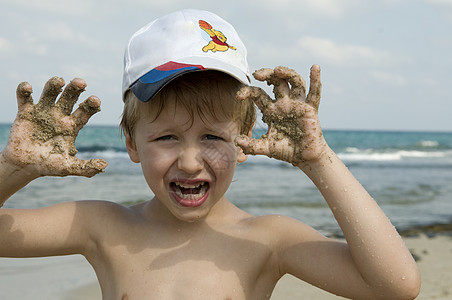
188 164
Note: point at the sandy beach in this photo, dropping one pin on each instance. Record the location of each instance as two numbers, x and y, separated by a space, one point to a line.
434 258
72 278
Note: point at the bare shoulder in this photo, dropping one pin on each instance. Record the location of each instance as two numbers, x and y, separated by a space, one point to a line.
279 223
72 211
60 229
280 229
106 213
101 207
107 223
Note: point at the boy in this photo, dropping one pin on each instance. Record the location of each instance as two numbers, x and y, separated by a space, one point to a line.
183 125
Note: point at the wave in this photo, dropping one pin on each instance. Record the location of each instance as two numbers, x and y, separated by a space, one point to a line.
428 144
354 154
108 155
106 152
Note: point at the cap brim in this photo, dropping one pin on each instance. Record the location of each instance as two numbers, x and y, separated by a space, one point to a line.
152 82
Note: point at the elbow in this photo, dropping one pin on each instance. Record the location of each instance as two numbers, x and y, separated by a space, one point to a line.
411 288
408 287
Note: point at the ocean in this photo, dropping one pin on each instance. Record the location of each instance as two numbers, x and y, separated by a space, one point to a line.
408 173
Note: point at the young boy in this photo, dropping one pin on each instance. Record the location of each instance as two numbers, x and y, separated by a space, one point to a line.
184 126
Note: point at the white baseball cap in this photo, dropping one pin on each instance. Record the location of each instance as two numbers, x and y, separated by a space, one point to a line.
184 41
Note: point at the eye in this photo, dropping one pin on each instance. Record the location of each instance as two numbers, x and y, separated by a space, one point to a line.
165 138
211 137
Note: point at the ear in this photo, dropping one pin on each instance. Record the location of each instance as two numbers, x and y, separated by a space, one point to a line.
132 149
241 157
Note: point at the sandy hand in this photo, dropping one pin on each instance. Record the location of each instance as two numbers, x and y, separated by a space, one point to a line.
294 134
42 138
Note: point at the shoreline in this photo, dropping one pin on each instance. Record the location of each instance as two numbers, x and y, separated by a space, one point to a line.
430 230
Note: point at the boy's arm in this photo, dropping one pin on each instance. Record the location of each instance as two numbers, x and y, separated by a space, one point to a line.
42 143
375 262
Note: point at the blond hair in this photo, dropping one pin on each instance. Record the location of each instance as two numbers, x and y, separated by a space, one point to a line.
196 92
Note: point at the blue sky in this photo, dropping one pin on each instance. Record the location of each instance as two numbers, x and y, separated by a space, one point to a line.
386 65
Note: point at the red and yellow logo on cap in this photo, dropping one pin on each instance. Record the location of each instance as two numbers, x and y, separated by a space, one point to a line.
218 42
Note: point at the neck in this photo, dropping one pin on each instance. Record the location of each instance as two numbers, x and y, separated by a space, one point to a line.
221 211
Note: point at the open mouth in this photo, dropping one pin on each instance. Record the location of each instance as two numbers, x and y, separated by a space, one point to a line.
190 194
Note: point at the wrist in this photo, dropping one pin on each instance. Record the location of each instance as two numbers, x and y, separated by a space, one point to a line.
10 170
324 158
12 178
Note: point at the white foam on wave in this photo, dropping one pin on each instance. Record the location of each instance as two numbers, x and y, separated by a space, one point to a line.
429 144
353 154
362 156
107 154
423 153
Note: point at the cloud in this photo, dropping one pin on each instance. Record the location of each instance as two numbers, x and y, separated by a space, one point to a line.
310 49
312 9
89 72
5 45
444 5
61 32
80 8
332 8
327 50
389 78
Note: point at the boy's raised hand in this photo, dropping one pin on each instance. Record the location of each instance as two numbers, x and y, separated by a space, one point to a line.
294 134
42 138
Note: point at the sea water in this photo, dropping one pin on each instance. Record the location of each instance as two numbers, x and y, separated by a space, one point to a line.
408 173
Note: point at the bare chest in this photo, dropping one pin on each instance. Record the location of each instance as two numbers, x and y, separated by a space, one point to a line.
192 269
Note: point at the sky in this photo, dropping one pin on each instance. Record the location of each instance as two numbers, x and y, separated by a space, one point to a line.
386 65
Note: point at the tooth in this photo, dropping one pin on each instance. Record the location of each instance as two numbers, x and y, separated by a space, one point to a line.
202 191
188 186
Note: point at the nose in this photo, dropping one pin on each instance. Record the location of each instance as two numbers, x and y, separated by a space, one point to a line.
190 160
